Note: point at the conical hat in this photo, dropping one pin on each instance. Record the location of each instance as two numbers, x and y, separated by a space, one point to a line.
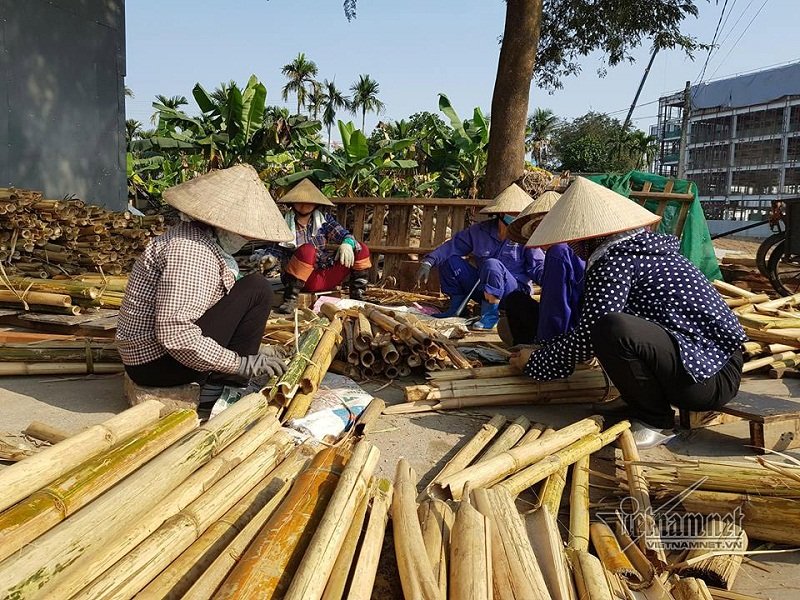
521 228
513 200
234 199
589 210
305 192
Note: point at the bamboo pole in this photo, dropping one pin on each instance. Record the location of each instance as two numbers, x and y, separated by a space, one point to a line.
12 369
732 290
719 570
611 554
590 578
416 573
45 432
45 508
549 550
642 564
266 568
289 383
553 490
475 373
470 555
39 298
321 359
277 486
104 529
314 570
20 480
690 588
176 534
569 455
506 440
436 521
515 570
735 477
492 471
579 506
364 335
579 396
536 431
370 551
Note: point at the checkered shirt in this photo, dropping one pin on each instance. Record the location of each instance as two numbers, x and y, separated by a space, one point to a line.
179 276
331 232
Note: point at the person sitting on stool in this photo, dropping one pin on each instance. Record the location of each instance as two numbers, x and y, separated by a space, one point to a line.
503 266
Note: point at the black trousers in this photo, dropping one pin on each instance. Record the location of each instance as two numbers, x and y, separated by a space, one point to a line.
644 363
522 313
235 322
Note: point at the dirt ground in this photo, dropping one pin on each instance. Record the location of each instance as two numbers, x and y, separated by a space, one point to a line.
426 440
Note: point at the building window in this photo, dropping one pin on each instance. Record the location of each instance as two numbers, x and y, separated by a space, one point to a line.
791 184
758 182
710 184
760 122
765 152
710 130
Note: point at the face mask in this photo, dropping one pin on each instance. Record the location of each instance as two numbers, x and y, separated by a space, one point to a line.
507 219
230 242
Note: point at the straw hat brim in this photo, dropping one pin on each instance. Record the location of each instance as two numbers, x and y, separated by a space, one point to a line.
521 228
589 210
512 200
233 199
305 192
516 230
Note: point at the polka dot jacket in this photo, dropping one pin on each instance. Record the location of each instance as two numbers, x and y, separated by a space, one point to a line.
645 276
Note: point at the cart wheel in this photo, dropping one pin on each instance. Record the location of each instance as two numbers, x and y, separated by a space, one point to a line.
765 251
784 276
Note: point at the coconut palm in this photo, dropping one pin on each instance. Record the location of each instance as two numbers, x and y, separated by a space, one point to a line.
643 149
300 73
316 99
365 97
174 102
333 100
540 128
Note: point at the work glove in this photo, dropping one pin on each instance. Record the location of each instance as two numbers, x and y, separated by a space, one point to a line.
423 273
345 255
273 351
260 364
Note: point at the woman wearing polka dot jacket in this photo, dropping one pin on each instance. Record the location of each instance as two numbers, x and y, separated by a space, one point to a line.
660 330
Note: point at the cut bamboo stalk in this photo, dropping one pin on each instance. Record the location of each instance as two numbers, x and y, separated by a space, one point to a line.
289 383
569 455
386 323
719 570
45 508
470 555
45 432
367 358
478 385
718 594
515 570
690 588
436 521
20 480
10 369
735 477
781 302
153 555
642 564
349 337
579 396
330 311
548 547
553 490
416 573
459 360
107 533
511 461
318 562
610 553
734 302
732 290
362 332
323 355
343 569
475 373
464 457
266 568
579 506
40 298
390 354
508 439
278 484
298 407
760 363
370 552
590 578
536 431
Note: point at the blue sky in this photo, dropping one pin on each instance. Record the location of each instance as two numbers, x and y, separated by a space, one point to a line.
416 49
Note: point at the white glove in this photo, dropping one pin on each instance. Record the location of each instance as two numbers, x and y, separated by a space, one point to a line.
423 273
345 255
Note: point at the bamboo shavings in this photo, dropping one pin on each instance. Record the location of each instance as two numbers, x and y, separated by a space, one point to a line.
719 570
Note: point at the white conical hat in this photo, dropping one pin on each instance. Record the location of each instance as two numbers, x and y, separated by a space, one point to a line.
234 199
521 228
589 210
512 200
305 192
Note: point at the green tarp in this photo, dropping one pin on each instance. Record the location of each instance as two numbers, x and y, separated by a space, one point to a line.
696 241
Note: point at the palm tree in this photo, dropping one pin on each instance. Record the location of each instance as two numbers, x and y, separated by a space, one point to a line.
316 99
643 149
220 93
300 73
539 133
365 97
133 129
173 102
333 100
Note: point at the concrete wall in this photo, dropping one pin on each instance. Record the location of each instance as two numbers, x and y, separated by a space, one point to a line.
62 109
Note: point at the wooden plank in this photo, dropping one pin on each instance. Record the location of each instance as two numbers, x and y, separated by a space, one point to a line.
662 206
426 233
359 216
442 219
341 215
762 409
668 186
75 330
684 212
457 220
648 195
68 319
398 226
381 249
102 324
463 202
376 232
778 435
695 420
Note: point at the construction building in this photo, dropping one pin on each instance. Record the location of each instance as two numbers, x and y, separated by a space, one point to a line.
742 142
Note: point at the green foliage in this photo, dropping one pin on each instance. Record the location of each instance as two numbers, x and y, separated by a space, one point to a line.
300 73
539 130
365 97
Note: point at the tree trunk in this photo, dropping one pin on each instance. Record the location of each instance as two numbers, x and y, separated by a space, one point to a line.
510 98
364 121
329 138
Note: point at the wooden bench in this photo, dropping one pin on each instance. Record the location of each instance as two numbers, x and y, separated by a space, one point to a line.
774 422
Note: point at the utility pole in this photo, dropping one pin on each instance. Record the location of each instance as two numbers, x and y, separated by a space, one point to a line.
687 108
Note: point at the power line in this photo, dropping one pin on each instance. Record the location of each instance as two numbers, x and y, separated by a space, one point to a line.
733 27
711 46
758 12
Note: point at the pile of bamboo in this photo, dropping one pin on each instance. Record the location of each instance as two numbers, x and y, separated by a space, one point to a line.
772 326
378 342
502 385
743 272
45 238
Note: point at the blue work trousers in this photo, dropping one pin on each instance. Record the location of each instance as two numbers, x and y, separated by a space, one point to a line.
457 276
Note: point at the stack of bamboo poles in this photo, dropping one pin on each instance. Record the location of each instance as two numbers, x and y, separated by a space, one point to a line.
502 385
379 342
50 355
44 238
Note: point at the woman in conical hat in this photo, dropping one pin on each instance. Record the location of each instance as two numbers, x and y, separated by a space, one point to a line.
187 315
527 321
502 267
660 330
306 264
